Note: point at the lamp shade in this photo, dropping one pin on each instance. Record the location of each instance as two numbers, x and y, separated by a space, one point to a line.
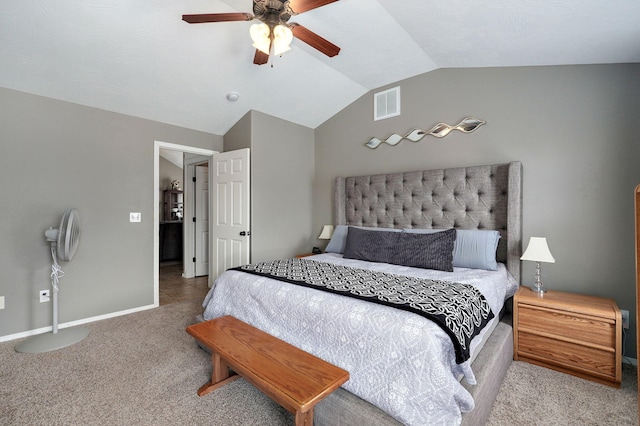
282 38
538 251
327 232
260 35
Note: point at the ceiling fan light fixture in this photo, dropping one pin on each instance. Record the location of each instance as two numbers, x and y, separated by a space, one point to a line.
272 31
282 38
260 35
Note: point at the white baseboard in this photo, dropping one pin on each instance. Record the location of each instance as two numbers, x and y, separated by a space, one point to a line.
74 323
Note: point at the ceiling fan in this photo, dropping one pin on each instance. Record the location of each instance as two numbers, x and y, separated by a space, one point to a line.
275 32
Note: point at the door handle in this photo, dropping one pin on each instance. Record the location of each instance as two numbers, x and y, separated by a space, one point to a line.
245 233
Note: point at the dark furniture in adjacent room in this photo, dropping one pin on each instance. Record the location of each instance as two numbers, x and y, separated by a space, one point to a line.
170 241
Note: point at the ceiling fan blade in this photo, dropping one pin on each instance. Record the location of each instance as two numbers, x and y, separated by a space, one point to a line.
260 58
216 17
314 40
299 6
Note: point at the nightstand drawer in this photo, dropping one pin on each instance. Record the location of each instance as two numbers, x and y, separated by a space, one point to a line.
597 331
567 354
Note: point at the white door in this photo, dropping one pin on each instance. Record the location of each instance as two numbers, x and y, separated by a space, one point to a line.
231 211
201 239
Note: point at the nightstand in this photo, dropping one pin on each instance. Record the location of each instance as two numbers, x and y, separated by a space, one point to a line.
300 256
572 333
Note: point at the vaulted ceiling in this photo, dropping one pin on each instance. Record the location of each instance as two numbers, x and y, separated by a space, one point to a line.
138 57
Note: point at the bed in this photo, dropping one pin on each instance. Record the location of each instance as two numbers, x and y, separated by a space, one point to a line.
405 368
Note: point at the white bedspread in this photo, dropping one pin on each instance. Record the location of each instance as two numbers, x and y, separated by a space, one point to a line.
398 361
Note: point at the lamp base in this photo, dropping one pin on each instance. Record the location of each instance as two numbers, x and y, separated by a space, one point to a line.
540 290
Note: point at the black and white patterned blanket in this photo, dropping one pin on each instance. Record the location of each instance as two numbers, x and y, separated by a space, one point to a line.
459 309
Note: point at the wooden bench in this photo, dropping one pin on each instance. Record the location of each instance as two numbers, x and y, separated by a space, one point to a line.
290 376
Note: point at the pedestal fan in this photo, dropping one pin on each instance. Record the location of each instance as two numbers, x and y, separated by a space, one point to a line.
64 243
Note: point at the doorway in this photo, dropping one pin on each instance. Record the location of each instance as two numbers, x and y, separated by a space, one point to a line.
185 286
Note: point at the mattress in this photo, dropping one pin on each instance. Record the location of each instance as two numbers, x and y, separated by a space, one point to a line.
398 361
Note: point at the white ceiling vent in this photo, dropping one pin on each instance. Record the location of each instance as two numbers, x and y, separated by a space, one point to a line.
386 104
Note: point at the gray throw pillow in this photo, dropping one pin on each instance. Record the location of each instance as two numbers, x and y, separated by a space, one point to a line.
427 251
374 246
339 237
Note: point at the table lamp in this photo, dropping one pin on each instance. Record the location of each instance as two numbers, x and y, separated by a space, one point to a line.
327 232
538 251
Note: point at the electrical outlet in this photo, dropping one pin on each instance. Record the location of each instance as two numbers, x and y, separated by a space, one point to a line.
625 318
45 296
135 217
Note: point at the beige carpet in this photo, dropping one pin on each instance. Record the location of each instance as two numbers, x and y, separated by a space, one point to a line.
144 369
536 396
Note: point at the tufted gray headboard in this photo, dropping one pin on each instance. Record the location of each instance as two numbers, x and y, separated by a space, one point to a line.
478 197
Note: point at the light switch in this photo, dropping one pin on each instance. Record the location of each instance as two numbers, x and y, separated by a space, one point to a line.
135 217
1 302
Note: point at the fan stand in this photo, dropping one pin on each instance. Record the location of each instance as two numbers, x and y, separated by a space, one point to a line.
57 339
52 341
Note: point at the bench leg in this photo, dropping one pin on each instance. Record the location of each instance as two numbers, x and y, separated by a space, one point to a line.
304 419
219 377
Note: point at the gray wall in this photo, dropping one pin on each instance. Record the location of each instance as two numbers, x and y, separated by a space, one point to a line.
573 127
57 155
239 136
282 158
